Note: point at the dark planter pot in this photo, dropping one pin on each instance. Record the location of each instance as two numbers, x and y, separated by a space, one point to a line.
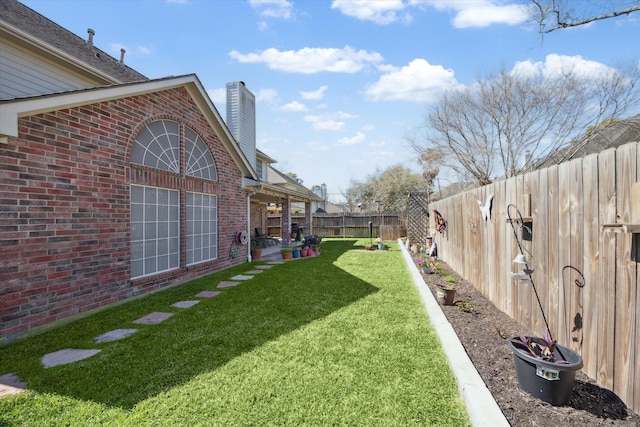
550 382
445 296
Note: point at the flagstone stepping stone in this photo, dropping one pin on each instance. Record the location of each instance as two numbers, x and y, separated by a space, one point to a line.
184 304
11 384
114 335
227 284
275 262
208 294
254 272
242 277
153 318
264 267
67 355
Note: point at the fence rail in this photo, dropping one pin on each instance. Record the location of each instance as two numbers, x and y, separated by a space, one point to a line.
588 285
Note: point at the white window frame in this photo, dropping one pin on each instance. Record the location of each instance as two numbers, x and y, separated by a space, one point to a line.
155 230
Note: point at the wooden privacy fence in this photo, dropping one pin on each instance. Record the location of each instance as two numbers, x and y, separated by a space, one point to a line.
588 285
386 225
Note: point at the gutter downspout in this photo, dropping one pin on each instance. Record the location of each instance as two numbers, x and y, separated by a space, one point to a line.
253 193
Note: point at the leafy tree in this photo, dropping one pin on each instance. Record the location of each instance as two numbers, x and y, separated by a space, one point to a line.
389 188
499 125
551 15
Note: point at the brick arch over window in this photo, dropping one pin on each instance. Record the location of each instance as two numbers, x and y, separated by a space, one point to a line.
173 210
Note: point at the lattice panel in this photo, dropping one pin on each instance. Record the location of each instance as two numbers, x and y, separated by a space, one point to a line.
418 221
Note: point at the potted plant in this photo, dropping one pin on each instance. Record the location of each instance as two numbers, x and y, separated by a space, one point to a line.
256 248
295 253
545 369
447 293
424 265
286 253
380 244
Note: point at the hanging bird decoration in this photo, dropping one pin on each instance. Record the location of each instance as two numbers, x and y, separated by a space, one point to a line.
486 208
441 224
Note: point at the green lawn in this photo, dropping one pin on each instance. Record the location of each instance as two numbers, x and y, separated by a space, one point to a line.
339 339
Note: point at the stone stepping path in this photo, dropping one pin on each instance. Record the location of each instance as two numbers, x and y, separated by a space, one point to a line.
11 384
68 355
153 318
184 304
240 277
227 284
208 294
116 334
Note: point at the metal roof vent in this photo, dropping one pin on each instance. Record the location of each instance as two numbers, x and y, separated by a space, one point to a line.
91 34
122 52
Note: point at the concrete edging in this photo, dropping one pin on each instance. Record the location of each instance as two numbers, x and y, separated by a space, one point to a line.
481 406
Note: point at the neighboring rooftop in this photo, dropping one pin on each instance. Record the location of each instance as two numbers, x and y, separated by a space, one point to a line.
34 31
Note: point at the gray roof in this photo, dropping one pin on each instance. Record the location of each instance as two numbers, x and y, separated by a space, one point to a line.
616 134
31 22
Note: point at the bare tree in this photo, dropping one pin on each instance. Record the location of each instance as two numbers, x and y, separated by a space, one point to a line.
551 15
497 126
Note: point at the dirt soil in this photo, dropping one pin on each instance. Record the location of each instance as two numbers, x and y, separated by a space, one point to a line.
484 332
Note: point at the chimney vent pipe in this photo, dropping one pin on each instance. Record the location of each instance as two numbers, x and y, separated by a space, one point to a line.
122 52
91 34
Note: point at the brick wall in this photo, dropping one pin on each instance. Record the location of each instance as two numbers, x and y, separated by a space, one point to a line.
64 208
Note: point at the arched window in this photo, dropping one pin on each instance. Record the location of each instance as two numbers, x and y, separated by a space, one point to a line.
155 211
199 160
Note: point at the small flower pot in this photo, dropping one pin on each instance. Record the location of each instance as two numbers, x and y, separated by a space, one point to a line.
548 381
256 253
295 253
286 255
427 270
445 296
381 246
303 252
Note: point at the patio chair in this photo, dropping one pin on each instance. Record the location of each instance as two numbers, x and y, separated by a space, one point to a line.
267 240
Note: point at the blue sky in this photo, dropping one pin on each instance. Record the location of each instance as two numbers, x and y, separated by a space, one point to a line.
340 84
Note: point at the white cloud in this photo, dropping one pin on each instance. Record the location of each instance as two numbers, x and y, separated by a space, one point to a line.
295 107
114 48
321 123
489 14
468 13
312 60
218 96
356 139
556 65
273 8
418 82
315 94
379 11
266 95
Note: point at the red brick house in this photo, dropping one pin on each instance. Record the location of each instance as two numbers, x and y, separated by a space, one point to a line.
111 185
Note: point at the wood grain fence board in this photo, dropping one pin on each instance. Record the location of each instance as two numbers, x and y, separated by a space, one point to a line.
564 253
501 262
510 301
525 298
625 286
553 219
589 349
606 267
636 204
491 277
531 188
573 275
541 239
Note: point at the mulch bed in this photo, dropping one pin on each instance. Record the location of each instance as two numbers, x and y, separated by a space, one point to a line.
483 333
